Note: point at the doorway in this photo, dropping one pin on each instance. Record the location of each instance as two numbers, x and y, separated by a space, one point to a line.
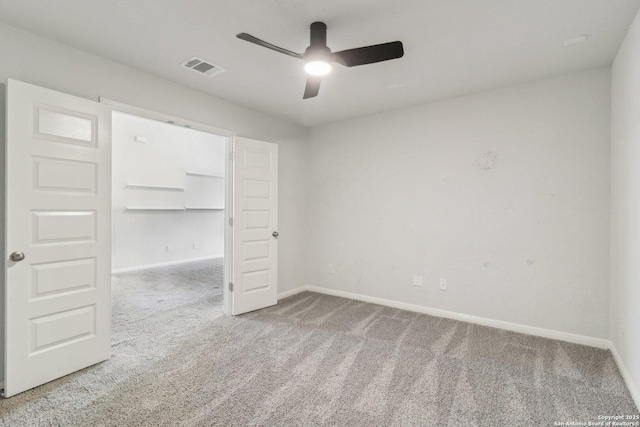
168 232
57 290
171 189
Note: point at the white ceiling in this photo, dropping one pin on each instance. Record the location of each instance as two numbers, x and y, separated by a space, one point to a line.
452 47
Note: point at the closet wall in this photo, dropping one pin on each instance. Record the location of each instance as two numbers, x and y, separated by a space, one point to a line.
168 193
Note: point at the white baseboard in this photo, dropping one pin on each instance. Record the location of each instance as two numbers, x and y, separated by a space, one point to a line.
633 389
291 292
509 326
163 264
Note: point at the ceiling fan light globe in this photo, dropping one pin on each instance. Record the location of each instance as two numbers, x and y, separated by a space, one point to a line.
317 68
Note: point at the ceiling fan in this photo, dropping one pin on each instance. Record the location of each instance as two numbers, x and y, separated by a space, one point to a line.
318 57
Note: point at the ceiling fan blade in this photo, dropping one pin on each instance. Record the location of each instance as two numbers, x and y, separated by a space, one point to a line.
369 54
312 87
255 40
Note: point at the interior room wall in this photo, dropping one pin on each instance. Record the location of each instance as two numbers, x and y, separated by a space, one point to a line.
33 59
505 194
625 206
170 156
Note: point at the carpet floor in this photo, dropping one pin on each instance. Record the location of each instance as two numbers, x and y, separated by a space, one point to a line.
314 360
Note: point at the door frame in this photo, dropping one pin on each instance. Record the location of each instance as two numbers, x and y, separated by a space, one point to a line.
229 187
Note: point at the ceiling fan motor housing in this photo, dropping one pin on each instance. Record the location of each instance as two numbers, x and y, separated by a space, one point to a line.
318 34
318 50
318 56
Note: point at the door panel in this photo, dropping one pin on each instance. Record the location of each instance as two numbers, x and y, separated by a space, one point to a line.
255 211
58 299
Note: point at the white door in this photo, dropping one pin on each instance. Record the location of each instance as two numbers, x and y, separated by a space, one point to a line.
255 225
58 189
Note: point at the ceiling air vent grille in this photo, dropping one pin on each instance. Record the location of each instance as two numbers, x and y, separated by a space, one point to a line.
201 66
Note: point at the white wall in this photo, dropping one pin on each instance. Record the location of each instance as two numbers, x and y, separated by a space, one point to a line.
141 237
504 193
27 57
625 206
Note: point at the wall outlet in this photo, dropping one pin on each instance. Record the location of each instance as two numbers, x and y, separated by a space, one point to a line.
331 269
195 245
621 326
418 280
168 248
443 284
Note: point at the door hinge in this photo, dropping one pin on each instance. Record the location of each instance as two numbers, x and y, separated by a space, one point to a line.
231 155
231 286
231 221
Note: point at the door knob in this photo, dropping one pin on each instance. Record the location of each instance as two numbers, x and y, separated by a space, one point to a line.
275 234
16 256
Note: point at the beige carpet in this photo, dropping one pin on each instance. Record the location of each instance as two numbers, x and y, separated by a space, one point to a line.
314 360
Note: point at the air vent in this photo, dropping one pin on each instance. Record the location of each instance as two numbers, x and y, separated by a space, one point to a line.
201 66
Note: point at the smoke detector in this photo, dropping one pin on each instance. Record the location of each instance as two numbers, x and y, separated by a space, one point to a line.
202 67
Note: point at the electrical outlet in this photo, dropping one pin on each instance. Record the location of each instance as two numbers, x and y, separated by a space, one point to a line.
331 269
418 281
168 248
443 284
622 326
195 245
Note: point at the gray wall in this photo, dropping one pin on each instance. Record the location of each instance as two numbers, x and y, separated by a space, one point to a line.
504 193
625 206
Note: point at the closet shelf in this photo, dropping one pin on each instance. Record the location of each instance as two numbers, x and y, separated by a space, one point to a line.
204 174
186 208
142 208
155 187
193 208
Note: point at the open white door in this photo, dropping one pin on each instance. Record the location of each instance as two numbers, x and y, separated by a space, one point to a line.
255 225
58 236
